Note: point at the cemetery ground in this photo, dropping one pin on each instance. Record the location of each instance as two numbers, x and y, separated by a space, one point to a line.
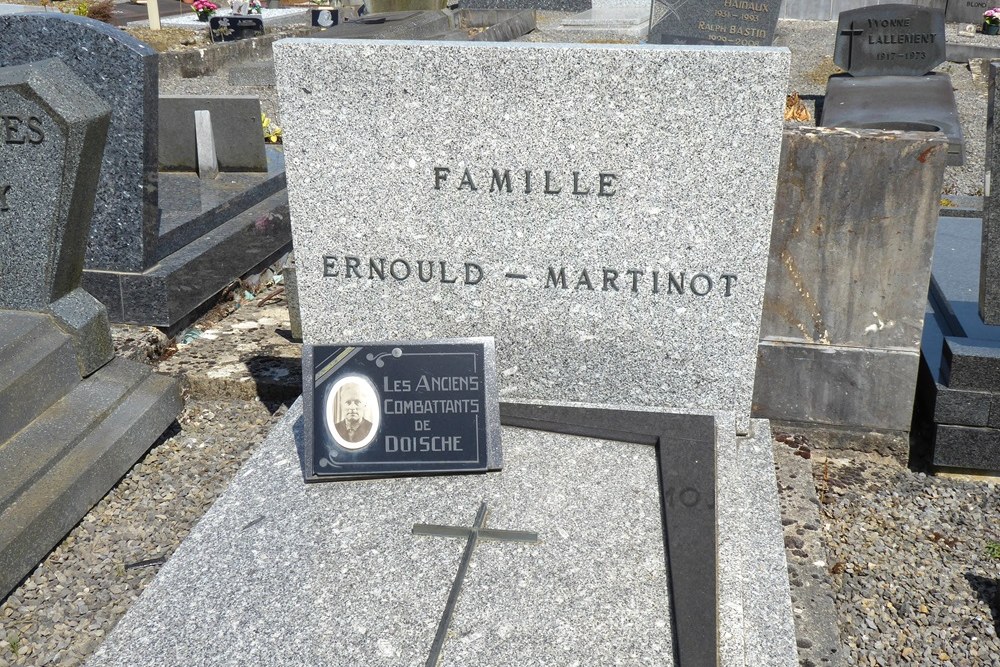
912 561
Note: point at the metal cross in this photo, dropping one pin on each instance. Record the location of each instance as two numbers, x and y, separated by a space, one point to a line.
472 534
851 33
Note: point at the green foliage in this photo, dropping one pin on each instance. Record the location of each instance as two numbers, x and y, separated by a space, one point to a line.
993 549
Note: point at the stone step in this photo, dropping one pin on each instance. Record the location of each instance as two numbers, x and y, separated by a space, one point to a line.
57 468
37 368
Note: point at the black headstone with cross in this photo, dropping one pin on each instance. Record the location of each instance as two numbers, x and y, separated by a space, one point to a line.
888 52
901 40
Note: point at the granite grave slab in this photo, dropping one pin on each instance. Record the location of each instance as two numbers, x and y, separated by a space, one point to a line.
235 125
720 22
74 419
606 278
593 587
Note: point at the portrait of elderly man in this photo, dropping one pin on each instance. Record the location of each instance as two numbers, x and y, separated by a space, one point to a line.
352 398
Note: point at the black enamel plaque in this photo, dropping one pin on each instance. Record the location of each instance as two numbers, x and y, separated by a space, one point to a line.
232 28
408 408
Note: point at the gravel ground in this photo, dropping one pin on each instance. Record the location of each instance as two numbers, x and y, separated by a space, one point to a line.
913 582
903 556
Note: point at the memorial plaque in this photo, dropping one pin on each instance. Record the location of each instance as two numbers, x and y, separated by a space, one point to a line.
900 40
400 409
233 28
720 22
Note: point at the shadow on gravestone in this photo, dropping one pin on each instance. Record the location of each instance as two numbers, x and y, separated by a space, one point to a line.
74 419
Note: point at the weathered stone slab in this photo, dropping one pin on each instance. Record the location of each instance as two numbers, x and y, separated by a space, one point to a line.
125 216
521 212
721 22
897 39
835 349
53 132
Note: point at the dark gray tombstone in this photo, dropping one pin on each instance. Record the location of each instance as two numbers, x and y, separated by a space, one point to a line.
967 11
123 72
989 272
72 418
901 40
162 245
720 22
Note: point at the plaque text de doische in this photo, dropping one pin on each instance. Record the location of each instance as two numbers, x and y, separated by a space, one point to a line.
18 130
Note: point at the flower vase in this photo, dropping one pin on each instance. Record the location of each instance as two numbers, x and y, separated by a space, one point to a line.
991 28
204 16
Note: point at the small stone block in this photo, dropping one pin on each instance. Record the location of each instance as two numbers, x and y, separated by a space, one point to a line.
967 447
85 319
969 363
964 408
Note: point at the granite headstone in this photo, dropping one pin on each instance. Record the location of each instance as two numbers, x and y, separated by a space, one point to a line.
606 277
896 39
989 272
123 72
74 419
720 22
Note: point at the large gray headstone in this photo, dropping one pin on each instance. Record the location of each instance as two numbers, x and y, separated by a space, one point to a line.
576 217
900 40
52 129
122 71
720 22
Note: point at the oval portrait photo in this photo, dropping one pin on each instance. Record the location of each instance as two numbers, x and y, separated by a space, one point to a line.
352 412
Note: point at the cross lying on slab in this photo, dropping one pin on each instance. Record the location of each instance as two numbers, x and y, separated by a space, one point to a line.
473 534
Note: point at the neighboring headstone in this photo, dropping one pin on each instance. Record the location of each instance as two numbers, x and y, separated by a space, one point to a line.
828 10
125 215
836 352
989 273
967 11
721 22
900 40
593 268
235 27
889 52
236 125
73 418
135 264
